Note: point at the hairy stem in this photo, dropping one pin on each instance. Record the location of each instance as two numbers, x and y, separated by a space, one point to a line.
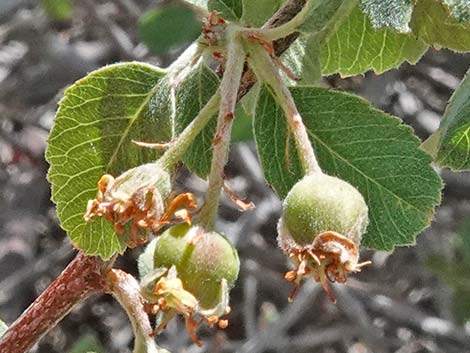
82 277
126 290
221 144
184 140
289 27
265 69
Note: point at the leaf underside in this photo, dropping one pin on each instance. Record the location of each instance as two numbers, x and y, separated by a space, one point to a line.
454 146
370 149
97 119
303 59
392 13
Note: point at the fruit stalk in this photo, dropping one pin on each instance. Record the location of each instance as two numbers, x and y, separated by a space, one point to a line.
221 144
265 70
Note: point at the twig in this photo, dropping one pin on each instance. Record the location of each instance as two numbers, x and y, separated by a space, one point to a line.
33 270
409 315
115 33
358 316
131 7
283 15
82 277
287 318
250 286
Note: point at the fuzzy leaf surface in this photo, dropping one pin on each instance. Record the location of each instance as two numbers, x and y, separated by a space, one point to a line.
395 14
323 14
433 23
97 119
191 95
357 47
303 59
460 9
373 151
145 260
454 145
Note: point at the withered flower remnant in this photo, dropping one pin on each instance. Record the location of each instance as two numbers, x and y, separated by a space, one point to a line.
141 198
194 270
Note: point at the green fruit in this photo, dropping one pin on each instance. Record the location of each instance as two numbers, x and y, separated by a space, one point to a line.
320 203
202 259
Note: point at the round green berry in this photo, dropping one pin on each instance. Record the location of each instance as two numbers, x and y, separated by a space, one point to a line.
320 203
202 259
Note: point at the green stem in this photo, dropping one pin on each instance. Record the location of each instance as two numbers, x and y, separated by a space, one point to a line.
184 140
266 71
228 91
272 34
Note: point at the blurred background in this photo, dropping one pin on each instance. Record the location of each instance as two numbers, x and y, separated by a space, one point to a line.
415 300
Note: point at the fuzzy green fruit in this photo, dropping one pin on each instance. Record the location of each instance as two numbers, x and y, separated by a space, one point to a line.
321 203
202 260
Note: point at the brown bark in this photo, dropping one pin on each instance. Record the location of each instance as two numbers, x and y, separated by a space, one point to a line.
81 278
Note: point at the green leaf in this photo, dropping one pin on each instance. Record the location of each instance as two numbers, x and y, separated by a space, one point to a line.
242 130
229 9
168 28
393 13
3 328
86 344
325 14
191 95
357 47
433 23
242 126
256 13
370 149
303 59
454 132
96 121
60 10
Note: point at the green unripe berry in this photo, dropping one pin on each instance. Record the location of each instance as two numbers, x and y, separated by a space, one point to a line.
202 259
320 203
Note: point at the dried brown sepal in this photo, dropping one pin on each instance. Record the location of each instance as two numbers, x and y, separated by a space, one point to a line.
173 299
143 207
213 29
329 259
241 204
